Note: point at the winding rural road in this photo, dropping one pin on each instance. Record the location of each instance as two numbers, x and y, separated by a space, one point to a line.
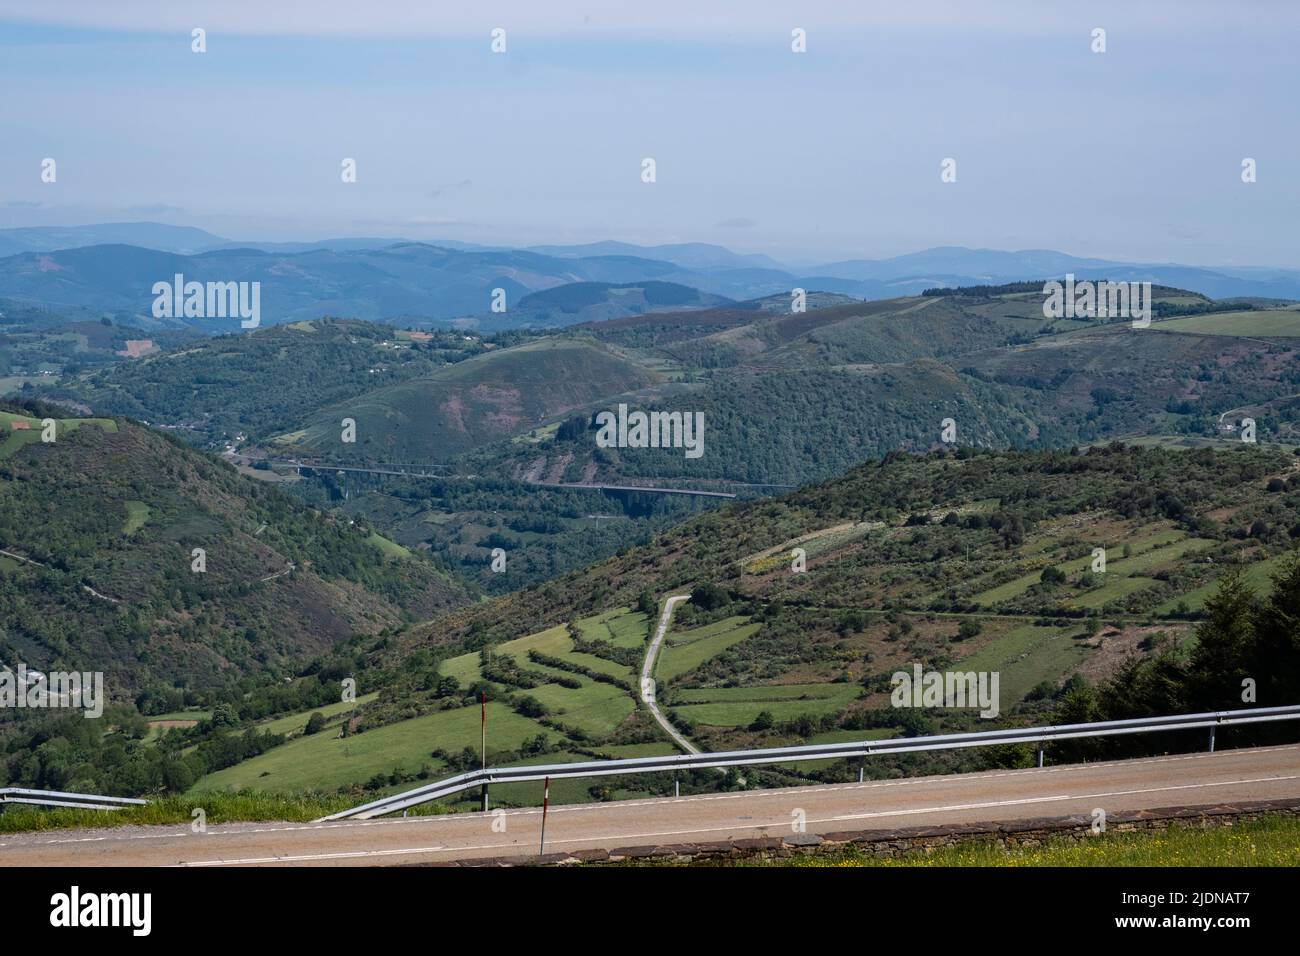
85 587
277 574
647 675
980 801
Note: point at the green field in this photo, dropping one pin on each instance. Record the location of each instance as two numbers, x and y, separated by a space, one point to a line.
553 641
743 714
325 761
1018 586
295 723
11 440
1257 575
390 549
595 707
156 729
1114 588
1158 557
1264 323
137 513
683 651
184 715
1027 656
1124 575
738 706
622 627
814 544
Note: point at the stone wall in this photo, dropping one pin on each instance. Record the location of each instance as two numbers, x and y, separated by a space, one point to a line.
899 842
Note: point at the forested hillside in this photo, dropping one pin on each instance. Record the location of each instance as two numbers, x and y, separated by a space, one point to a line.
99 530
263 382
972 560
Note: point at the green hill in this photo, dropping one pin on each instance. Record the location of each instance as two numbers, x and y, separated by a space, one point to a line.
793 398
940 559
211 390
99 529
974 560
595 301
489 397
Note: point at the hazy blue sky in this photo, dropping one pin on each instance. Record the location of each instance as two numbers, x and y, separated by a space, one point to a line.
1135 153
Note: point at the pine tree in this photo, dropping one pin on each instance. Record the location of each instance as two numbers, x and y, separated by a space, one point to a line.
1275 661
1225 643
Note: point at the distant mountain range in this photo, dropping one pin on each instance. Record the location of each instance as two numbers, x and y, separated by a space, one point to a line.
110 269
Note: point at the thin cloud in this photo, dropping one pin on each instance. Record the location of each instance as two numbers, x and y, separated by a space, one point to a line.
730 19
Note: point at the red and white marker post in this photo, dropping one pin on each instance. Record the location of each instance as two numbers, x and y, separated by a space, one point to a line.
483 745
546 801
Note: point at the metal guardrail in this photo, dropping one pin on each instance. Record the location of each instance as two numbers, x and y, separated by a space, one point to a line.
833 751
58 798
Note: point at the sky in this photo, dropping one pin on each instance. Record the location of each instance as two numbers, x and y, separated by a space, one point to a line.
1135 153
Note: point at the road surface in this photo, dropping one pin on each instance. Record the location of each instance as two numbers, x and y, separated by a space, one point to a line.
647 675
1004 796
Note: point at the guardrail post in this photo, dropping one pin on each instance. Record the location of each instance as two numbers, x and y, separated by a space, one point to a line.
1212 739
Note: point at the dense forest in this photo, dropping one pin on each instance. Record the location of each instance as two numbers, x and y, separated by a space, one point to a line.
134 553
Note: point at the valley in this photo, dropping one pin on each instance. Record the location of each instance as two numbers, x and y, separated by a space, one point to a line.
413 537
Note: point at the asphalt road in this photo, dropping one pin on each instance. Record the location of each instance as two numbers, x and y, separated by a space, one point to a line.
1228 776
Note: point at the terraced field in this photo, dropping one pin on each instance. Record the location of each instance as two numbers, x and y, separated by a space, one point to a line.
595 707
1026 656
739 706
684 651
1129 571
1257 575
295 723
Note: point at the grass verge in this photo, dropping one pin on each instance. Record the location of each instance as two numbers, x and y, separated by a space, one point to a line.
1270 840
218 808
